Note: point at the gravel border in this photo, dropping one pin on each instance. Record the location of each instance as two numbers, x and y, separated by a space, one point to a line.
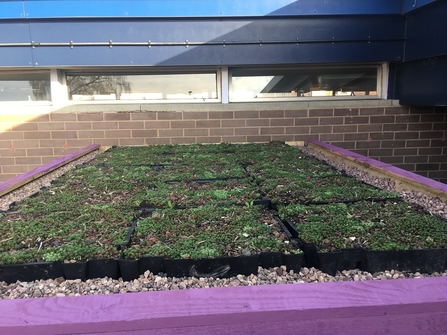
60 287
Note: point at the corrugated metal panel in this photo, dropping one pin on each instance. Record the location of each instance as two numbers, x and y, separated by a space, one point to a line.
194 8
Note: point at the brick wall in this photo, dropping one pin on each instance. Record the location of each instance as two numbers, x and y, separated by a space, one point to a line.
412 138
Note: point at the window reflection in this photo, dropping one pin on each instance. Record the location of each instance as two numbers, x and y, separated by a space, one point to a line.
249 84
198 87
25 87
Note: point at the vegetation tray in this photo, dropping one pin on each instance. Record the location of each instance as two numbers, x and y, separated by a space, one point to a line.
212 211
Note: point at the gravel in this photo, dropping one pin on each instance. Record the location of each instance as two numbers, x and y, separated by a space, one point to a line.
60 287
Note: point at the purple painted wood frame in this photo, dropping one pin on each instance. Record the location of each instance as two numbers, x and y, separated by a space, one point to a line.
403 306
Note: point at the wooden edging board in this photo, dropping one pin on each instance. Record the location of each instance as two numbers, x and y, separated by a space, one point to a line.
404 180
16 182
402 306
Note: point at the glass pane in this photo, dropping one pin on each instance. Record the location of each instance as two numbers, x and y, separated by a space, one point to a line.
249 84
201 86
25 87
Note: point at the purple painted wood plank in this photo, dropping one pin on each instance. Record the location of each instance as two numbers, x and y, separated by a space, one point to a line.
236 310
407 174
28 176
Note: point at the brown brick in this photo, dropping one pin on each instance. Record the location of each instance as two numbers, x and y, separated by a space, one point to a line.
158 141
208 139
331 120
421 110
6 161
392 160
7 144
356 119
381 119
272 131
235 123
170 133
427 167
28 160
406 135
246 114
393 144
440 126
117 133
344 129
183 124
381 136
221 132
441 109
331 137
356 137
41 118
196 132
12 153
438 175
195 115
432 118
26 144
395 127
346 111
63 117
220 115
271 114
35 135
91 117
24 126
306 137
116 116
306 121
169 115
362 152
49 159
144 133
135 116
15 169
131 141
183 140
429 151
380 152
78 143
234 139
61 152
52 126
297 130
432 134
372 111
105 125
344 145
443 167
416 159
40 152
208 124
407 118
438 143
320 129
284 138
396 110
405 151
367 145
107 142
321 112
156 125
11 118
420 126
296 113
282 122
408 167
260 138
246 131
369 128
51 143
256 123
131 125
64 134
78 125
418 143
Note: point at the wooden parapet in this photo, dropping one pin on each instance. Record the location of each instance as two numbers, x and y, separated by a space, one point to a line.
403 306
404 180
16 182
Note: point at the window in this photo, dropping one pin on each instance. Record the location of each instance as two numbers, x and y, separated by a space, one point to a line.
195 87
25 87
292 83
